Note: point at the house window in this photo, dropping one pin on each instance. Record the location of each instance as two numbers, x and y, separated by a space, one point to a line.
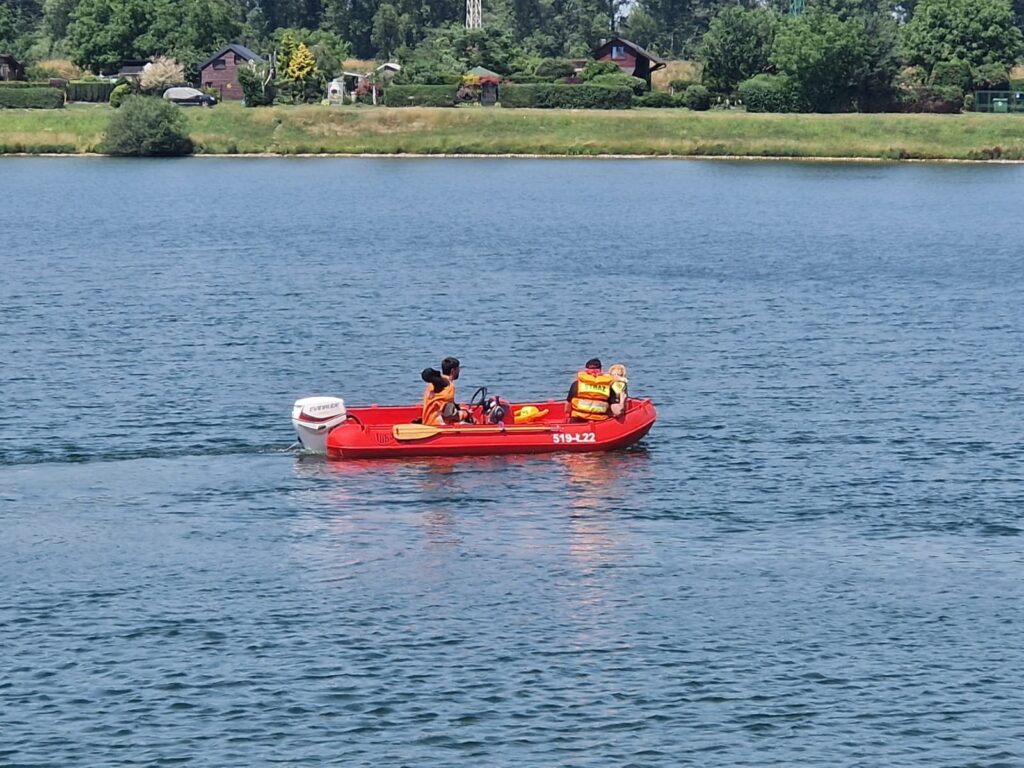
239 61
618 52
219 64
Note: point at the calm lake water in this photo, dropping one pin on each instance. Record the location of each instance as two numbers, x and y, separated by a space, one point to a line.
814 558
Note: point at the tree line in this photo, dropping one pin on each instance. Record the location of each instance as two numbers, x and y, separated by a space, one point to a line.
833 55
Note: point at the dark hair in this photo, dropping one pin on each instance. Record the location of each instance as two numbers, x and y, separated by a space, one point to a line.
593 362
449 364
432 376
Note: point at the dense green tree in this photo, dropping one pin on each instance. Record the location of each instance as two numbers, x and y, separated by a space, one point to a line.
681 24
209 25
641 27
327 48
387 33
824 56
103 33
57 17
977 31
20 21
6 27
881 63
737 46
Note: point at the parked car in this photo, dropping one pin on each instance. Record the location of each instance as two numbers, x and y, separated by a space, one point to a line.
189 97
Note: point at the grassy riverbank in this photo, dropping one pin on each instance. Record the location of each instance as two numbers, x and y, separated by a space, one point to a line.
230 129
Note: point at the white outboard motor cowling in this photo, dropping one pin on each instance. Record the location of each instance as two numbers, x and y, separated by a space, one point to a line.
314 417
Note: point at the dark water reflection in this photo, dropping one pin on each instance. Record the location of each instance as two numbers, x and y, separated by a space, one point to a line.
815 557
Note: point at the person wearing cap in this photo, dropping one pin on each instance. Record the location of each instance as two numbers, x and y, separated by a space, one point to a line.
591 397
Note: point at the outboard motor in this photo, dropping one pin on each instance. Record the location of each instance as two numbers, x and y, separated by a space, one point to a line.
314 417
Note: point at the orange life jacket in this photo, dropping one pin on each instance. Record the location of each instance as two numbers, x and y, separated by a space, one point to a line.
591 401
434 402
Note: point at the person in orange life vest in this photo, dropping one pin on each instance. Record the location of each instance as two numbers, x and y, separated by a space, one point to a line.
591 397
439 406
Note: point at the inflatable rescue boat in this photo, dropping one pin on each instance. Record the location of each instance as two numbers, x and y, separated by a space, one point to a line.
325 425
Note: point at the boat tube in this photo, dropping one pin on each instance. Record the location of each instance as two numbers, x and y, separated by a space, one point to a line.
324 425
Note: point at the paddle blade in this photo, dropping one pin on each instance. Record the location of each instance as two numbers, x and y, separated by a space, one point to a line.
413 431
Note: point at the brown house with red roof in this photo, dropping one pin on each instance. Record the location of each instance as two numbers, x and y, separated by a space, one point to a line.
630 58
220 71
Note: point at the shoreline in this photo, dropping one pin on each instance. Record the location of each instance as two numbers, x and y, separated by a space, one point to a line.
417 133
530 156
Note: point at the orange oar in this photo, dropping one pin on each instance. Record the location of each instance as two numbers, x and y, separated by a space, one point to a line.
422 431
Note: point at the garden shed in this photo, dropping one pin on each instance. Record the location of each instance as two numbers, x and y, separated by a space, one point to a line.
630 58
485 84
132 69
11 68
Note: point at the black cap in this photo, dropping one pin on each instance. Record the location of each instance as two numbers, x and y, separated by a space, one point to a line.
594 362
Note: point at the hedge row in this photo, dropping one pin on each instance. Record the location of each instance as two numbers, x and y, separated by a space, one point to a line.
565 96
19 84
38 97
771 93
695 97
97 92
420 96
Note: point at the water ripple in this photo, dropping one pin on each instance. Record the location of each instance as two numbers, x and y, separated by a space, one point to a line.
814 559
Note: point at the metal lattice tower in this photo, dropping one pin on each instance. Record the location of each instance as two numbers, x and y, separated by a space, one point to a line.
474 14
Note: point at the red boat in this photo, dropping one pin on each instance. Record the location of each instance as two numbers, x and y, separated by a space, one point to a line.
378 432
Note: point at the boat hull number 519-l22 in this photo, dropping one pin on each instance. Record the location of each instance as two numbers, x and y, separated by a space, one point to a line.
574 437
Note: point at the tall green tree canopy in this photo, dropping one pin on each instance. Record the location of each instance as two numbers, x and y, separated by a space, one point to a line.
976 31
824 55
103 33
679 25
737 45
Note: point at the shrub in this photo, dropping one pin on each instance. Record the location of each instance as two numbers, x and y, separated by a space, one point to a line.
655 100
555 96
954 73
146 126
53 68
991 77
697 98
525 78
119 93
940 99
96 92
420 96
618 80
31 97
594 69
257 84
554 69
681 84
162 73
769 93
